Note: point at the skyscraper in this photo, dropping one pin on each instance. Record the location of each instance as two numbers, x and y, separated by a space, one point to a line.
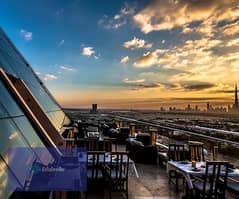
235 106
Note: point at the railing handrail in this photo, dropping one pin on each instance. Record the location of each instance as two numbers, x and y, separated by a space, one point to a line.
177 129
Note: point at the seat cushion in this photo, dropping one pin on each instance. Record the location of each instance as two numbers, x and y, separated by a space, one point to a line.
145 138
199 185
136 143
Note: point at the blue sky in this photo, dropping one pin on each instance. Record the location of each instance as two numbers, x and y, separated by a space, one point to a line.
115 53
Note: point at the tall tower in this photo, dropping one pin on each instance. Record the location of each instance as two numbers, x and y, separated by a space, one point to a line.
236 98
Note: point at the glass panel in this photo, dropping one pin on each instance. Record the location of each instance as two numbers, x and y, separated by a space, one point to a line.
13 63
3 112
52 117
11 138
28 132
33 139
4 181
7 101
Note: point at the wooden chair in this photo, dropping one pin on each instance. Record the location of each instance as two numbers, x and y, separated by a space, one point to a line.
176 152
116 173
107 144
91 144
196 151
95 165
214 182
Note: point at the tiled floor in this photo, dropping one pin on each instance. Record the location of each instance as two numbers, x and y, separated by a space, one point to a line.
151 184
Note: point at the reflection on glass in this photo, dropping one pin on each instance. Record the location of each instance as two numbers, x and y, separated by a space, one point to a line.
7 101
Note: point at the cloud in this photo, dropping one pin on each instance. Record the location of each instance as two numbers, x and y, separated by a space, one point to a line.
118 20
112 23
48 77
198 98
88 51
26 34
146 60
38 73
223 91
61 42
165 15
124 59
196 60
96 57
198 86
146 86
231 29
137 43
127 81
67 68
126 11
233 43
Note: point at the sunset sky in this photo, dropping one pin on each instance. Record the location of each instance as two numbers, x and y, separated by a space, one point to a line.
129 54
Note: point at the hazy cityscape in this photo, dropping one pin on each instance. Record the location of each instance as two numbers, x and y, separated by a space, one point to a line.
119 99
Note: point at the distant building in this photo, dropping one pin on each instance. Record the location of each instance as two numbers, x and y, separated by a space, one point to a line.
208 107
196 108
94 108
235 105
189 107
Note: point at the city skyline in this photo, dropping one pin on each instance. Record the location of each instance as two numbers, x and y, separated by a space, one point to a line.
129 54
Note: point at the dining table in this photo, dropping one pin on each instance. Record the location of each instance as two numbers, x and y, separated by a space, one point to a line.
186 169
132 167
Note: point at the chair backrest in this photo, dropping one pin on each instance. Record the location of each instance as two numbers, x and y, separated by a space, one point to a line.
196 151
91 144
95 162
216 178
176 152
107 145
119 165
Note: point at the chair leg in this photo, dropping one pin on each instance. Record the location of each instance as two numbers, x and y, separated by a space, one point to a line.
176 183
127 192
86 196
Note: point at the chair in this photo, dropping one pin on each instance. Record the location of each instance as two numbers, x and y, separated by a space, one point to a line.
145 138
95 165
116 173
107 144
91 144
123 135
213 183
176 152
140 153
196 151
